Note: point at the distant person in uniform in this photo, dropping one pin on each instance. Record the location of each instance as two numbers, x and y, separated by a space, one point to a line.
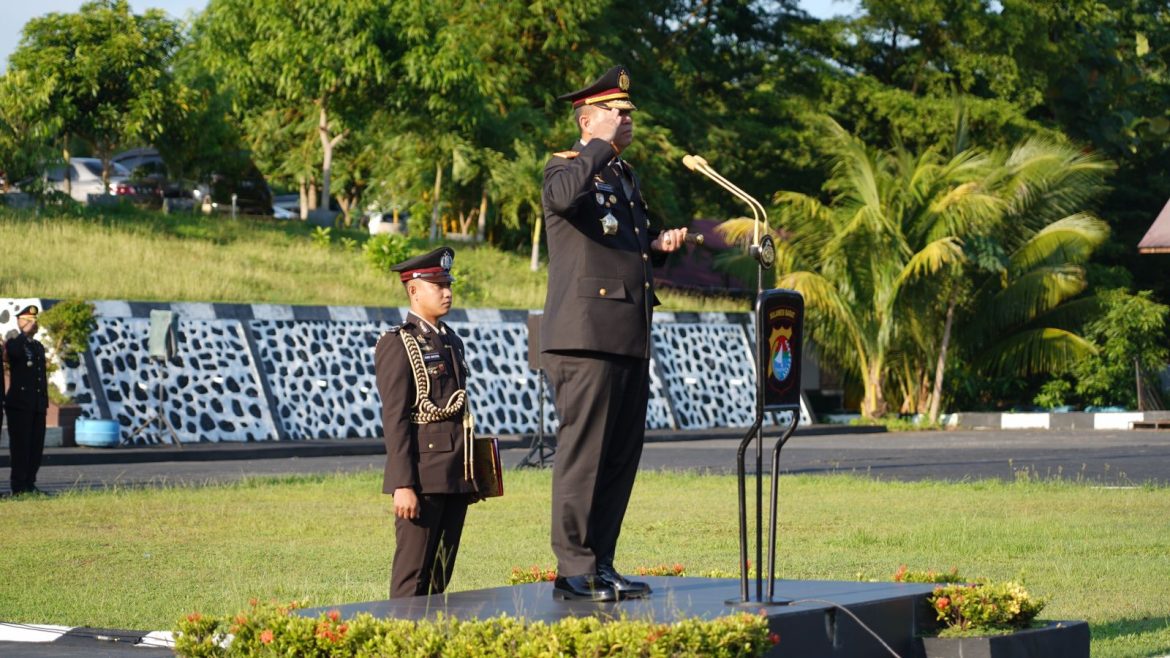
595 336
424 430
3 375
26 401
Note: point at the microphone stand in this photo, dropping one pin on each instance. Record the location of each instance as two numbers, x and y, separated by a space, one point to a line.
763 251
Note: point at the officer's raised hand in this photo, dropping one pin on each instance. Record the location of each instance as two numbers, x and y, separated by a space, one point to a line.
604 124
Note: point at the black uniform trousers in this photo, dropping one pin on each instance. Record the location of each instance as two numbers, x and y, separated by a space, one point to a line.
601 401
425 548
26 444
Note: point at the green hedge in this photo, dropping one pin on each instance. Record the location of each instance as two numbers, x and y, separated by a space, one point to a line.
273 630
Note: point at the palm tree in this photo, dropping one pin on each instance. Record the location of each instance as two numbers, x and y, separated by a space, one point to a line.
901 255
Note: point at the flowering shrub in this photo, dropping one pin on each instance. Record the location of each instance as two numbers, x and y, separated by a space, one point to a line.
977 607
536 574
274 630
904 575
533 574
984 607
662 570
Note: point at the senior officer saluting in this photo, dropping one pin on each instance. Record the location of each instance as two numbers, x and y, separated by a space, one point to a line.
26 401
595 336
422 379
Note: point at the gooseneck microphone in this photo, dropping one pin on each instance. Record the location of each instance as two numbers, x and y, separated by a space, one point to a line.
764 252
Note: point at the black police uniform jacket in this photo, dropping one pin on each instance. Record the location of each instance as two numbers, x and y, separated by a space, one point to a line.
600 286
28 387
426 457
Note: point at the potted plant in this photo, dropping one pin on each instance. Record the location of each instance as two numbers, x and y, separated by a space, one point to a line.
993 619
67 326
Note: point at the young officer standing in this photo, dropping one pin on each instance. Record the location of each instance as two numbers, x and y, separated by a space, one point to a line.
422 380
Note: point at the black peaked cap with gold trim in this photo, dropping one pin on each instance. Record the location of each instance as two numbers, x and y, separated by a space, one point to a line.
610 91
434 266
29 311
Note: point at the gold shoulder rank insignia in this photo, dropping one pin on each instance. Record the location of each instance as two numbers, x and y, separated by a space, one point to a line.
568 155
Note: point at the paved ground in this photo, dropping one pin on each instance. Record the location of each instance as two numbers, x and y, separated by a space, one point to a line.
1108 458
1104 457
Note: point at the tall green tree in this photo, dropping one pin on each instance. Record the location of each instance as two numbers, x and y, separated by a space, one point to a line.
105 72
472 85
25 137
324 66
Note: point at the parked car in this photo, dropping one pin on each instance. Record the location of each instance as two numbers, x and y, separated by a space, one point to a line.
252 196
147 164
85 179
239 176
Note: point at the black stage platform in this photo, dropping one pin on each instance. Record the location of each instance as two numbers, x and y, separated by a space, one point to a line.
812 626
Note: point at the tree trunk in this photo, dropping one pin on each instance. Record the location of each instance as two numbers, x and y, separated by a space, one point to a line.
304 198
873 404
941 366
481 226
312 193
534 264
68 169
1137 372
327 144
435 206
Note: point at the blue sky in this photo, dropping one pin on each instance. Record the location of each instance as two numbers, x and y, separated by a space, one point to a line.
16 14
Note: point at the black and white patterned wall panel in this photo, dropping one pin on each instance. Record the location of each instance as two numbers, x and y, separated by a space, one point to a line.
658 410
266 371
503 390
210 391
708 371
321 375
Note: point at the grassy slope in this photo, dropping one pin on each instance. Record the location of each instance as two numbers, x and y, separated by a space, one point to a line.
140 559
149 256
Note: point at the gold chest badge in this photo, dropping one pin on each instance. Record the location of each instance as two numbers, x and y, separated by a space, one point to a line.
609 224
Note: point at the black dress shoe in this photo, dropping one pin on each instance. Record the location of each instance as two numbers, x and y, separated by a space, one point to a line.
626 589
588 587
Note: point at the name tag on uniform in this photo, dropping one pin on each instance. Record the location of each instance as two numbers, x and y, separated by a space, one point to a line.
432 356
604 187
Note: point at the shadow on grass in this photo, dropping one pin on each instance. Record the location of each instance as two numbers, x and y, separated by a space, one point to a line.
1132 627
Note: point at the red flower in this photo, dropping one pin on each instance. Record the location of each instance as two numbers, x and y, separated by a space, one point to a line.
194 617
900 574
942 603
266 636
334 615
774 638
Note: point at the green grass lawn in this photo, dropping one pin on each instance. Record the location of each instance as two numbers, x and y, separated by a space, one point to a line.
141 558
149 256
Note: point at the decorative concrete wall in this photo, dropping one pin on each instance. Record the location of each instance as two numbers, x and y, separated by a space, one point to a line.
260 372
